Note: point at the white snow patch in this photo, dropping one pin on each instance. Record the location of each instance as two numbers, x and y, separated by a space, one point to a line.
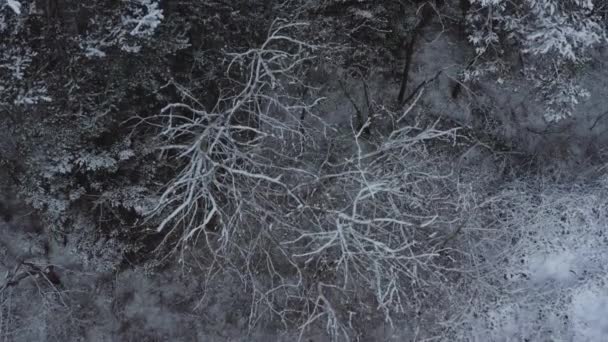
14 5
589 310
552 267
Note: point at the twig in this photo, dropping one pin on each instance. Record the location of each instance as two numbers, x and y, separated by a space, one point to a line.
420 85
597 120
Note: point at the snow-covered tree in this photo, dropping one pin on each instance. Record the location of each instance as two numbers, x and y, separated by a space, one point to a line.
563 29
551 35
77 80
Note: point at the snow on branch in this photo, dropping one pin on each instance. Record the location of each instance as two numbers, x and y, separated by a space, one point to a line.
14 5
146 16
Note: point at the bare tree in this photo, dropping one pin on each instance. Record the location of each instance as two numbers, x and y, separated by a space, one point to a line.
311 219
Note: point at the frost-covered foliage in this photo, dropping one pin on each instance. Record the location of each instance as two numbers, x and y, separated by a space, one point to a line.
65 146
145 17
558 90
76 79
127 28
540 27
550 35
15 60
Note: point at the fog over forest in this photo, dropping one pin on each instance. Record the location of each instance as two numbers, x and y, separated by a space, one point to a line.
304 170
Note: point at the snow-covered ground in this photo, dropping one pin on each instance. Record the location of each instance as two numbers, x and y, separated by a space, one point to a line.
554 287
